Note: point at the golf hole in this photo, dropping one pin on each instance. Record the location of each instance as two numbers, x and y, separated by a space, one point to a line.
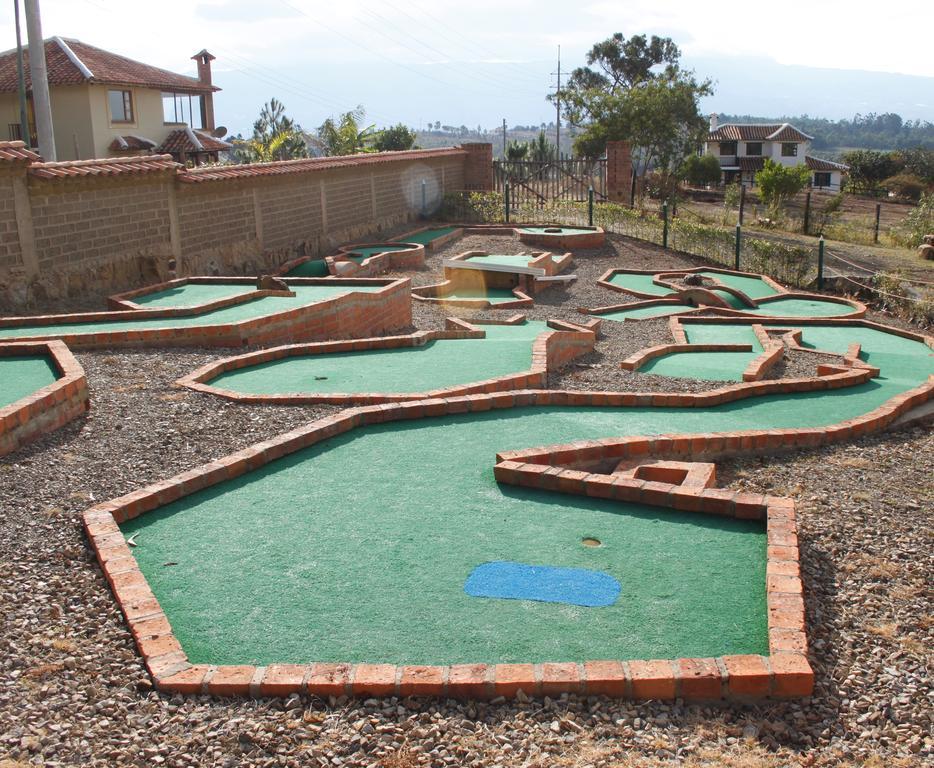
590 541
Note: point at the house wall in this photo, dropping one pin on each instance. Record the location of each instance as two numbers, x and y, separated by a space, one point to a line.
95 235
9 113
147 118
72 123
776 153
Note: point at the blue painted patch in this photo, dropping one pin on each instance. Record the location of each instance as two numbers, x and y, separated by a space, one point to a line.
519 581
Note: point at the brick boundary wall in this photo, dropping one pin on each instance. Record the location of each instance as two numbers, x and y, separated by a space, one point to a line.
594 238
784 672
552 349
48 408
93 227
349 315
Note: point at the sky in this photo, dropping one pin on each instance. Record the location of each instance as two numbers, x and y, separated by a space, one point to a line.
418 61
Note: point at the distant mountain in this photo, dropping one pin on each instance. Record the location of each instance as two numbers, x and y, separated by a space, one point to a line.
758 86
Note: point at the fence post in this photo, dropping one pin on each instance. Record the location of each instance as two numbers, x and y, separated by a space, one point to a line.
807 212
590 206
632 190
737 247
507 202
424 198
665 224
820 264
742 202
875 233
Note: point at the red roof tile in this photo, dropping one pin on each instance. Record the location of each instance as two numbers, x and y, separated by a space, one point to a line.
131 144
71 62
16 152
183 140
115 166
283 167
819 164
757 132
751 163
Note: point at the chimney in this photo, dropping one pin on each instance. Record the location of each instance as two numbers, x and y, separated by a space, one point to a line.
204 60
714 119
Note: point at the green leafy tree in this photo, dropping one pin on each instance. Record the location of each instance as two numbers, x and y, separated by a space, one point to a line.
394 139
869 168
344 136
275 137
907 186
635 90
777 183
701 170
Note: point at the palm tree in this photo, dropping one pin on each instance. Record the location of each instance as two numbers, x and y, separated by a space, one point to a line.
345 136
275 137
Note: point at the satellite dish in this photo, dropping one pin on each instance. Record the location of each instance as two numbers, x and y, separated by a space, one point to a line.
220 132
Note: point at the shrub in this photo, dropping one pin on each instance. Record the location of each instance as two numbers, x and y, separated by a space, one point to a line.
701 170
918 223
906 186
777 183
661 185
731 196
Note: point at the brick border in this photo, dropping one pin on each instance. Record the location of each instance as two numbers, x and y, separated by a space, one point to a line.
594 237
412 257
785 672
347 315
437 293
550 350
604 279
48 408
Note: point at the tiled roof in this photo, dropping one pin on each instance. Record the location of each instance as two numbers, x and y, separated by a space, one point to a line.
16 152
116 166
757 132
283 167
190 141
71 62
819 164
751 163
131 144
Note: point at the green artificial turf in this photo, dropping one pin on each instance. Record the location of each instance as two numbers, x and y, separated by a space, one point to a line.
305 295
309 268
753 287
640 283
357 549
436 365
191 295
426 236
22 375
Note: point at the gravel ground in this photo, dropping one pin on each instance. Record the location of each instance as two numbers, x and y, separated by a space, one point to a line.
73 691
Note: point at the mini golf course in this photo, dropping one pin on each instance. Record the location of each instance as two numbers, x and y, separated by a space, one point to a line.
23 375
439 364
556 236
213 313
42 387
404 549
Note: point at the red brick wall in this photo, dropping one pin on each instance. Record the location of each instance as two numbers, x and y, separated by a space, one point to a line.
618 171
478 170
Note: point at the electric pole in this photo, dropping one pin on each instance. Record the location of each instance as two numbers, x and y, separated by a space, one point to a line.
558 109
21 77
504 138
40 81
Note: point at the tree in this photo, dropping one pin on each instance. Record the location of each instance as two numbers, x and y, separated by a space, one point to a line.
540 149
395 138
868 168
345 136
777 183
634 90
275 137
701 170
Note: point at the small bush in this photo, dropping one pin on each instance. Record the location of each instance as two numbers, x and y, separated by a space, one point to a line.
918 223
906 186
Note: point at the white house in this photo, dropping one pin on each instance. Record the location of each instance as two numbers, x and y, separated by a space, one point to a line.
742 149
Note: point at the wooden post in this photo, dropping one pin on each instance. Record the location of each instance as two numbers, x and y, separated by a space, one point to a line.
737 247
665 224
820 264
632 190
875 233
742 202
807 212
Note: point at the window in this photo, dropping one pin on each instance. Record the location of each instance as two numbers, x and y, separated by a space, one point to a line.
182 109
15 131
727 147
789 149
754 148
121 106
821 179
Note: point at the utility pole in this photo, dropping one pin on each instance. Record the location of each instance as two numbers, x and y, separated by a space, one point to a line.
21 75
558 109
40 81
504 138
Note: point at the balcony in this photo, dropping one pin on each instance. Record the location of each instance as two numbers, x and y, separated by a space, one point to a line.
728 161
